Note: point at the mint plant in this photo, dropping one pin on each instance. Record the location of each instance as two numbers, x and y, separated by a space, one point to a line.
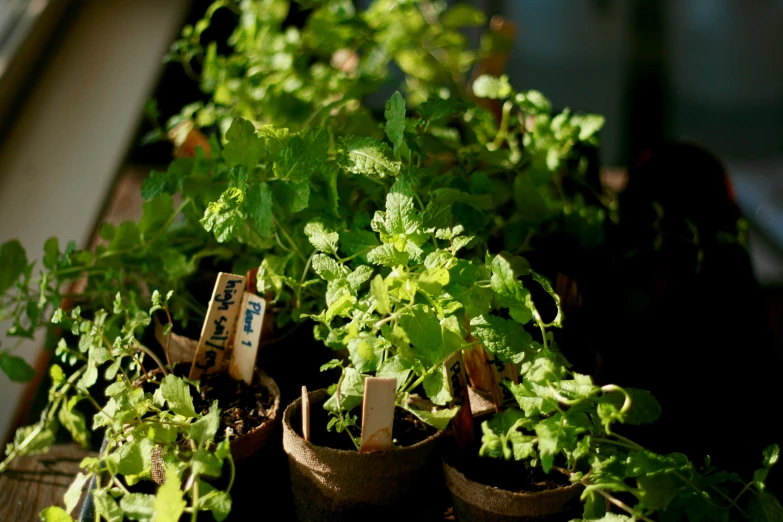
153 432
568 424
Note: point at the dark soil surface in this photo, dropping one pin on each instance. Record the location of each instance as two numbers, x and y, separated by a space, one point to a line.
407 429
242 407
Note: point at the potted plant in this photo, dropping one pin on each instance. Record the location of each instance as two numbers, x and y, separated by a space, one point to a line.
565 437
167 440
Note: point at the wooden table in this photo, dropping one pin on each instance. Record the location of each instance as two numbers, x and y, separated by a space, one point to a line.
36 482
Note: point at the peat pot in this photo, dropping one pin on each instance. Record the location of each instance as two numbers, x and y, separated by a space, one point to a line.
476 502
345 485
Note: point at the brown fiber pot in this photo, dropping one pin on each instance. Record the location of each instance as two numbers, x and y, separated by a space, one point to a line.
269 430
475 502
339 485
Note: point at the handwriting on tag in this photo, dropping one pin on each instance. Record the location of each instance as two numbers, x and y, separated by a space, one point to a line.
378 413
218 324
247 338
457 383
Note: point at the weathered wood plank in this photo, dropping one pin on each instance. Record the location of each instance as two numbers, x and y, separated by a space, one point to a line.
39 481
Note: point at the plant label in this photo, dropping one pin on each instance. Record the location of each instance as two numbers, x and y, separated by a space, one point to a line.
380 394
457 383
305 414
501 370
218 324
247 338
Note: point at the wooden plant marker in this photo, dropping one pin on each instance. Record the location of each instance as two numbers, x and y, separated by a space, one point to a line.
457 383
378 413
248 336
501 395
218 324
305 414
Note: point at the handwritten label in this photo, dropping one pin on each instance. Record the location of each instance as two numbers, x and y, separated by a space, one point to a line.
218 324
248 336
501 370
305 414
457 383
378 413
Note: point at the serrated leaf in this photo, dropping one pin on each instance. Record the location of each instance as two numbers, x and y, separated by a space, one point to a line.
207 426
438 419
74 492
218 502
368 156
507 340
436 109
303 155
74 422
463 288
380 292
138 506
258 206
323 239
764 507
169 502
55 514
395 120
177 395
328 268
387 255
244 146
106 506
223 217
436 388
359 276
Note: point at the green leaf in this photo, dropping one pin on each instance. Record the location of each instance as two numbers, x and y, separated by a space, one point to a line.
55 514
395 367
13 259
323 239
367 156
133 458
764 507
51 253
771 455
74 422
259 210
380 292
589 125
177 395
351 392
169 182
436 388
218 502
657 490
395 120
169 504
40 442
157 212
358 277
303 155
438 419
74 492
106 506
16 368
138 506
760 477
645 408
328 268
207 426
223 217
244 146
433 280
206 463
486 86
436 109
291 195
462 287
503 338
387 255
463 15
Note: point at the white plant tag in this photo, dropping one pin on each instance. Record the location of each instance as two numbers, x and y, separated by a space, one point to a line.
378 413
247 338
218 324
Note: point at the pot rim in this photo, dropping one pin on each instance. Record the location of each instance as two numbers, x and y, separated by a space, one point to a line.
319 396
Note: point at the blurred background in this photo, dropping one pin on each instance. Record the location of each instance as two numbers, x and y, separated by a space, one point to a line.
74 77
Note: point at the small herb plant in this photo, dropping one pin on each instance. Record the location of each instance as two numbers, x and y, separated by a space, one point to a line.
567 423
153 432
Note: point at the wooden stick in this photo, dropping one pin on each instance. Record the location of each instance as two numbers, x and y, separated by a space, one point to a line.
457 383
378 413
305 414
248 336
218 324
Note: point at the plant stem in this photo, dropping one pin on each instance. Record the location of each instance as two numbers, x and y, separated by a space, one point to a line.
619 504
153 356
194 515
